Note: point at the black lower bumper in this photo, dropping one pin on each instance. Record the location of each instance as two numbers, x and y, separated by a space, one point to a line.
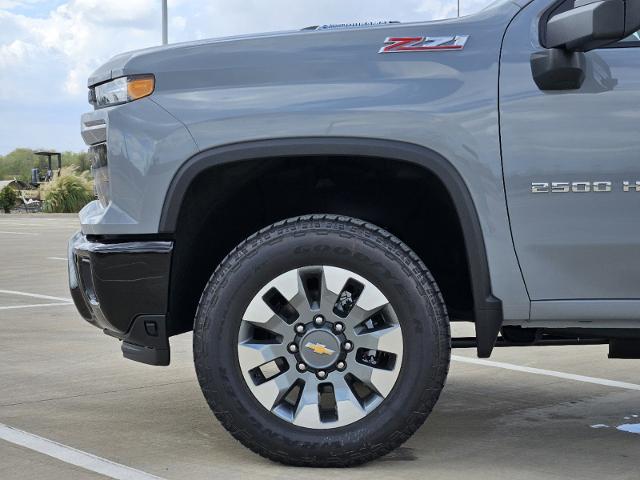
123 288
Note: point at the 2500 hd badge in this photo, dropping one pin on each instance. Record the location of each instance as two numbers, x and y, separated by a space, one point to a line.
582 187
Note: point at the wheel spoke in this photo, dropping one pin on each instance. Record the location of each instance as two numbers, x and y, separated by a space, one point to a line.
386 340
310 289
253 355
371 299
349 407
368 302
308 412
286 285
269 392
379 380
359 314
333 279
277 326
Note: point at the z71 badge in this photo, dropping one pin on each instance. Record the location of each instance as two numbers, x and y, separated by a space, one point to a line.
424 44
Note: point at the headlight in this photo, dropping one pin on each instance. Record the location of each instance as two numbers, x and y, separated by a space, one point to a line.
122 90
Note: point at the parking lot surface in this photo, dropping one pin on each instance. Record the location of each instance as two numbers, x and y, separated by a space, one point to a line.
64 388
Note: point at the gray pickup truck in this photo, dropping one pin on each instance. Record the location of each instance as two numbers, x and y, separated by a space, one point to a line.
318 205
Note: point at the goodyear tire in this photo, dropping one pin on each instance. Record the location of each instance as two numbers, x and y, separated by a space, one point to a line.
322 341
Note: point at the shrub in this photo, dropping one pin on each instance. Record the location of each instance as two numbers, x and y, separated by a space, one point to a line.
67 193
8 199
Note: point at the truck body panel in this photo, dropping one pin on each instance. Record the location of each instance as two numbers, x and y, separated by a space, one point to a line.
552 257
577 239
334 84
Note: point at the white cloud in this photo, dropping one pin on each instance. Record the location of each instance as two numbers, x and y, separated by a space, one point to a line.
442 10
15 53
49 47
77 36
177 23
118 13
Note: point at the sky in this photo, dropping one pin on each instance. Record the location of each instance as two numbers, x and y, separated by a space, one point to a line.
48 48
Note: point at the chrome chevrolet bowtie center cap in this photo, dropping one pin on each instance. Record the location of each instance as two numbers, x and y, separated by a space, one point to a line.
319 348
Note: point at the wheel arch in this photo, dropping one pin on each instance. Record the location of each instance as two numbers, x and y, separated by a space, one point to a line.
487 309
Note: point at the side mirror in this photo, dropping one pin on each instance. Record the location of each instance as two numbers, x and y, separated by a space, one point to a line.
588 25
592 24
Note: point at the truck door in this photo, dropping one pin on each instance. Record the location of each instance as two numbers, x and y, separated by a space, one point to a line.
571 162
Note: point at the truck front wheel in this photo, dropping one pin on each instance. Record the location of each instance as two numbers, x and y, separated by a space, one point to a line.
322 341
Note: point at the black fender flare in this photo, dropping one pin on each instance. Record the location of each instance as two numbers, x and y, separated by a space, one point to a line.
487 308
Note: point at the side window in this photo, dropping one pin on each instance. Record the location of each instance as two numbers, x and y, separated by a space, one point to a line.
633 38
630 41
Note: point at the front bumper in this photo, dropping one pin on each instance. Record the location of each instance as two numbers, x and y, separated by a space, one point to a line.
123 288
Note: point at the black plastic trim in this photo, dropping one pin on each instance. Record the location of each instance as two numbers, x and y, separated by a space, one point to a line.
627 349
557 69
545 341
487 308
128 247
123 289
145 345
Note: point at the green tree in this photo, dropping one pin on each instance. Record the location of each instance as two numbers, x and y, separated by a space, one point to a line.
19 163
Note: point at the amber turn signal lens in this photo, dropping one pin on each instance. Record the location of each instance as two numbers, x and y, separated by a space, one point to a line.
138 87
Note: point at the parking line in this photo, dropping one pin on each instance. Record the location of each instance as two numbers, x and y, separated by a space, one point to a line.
548 373
35 224
35 295
38 305
72 456
22 233
58 258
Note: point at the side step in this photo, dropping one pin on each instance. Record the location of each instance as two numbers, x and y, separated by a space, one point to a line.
624 348
619 348
544 341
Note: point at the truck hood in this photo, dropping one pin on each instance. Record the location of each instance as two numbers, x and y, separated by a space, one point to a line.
128 63
116 66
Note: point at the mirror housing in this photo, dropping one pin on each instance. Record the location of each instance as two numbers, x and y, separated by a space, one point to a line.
588 25
558 69
591 24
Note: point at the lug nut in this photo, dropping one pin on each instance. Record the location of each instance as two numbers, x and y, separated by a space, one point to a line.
302 367
339 327
300 328
341 366
322 374
348 346
293 348
319 320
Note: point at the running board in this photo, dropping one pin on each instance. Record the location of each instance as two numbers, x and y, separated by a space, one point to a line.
623 348
546 341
